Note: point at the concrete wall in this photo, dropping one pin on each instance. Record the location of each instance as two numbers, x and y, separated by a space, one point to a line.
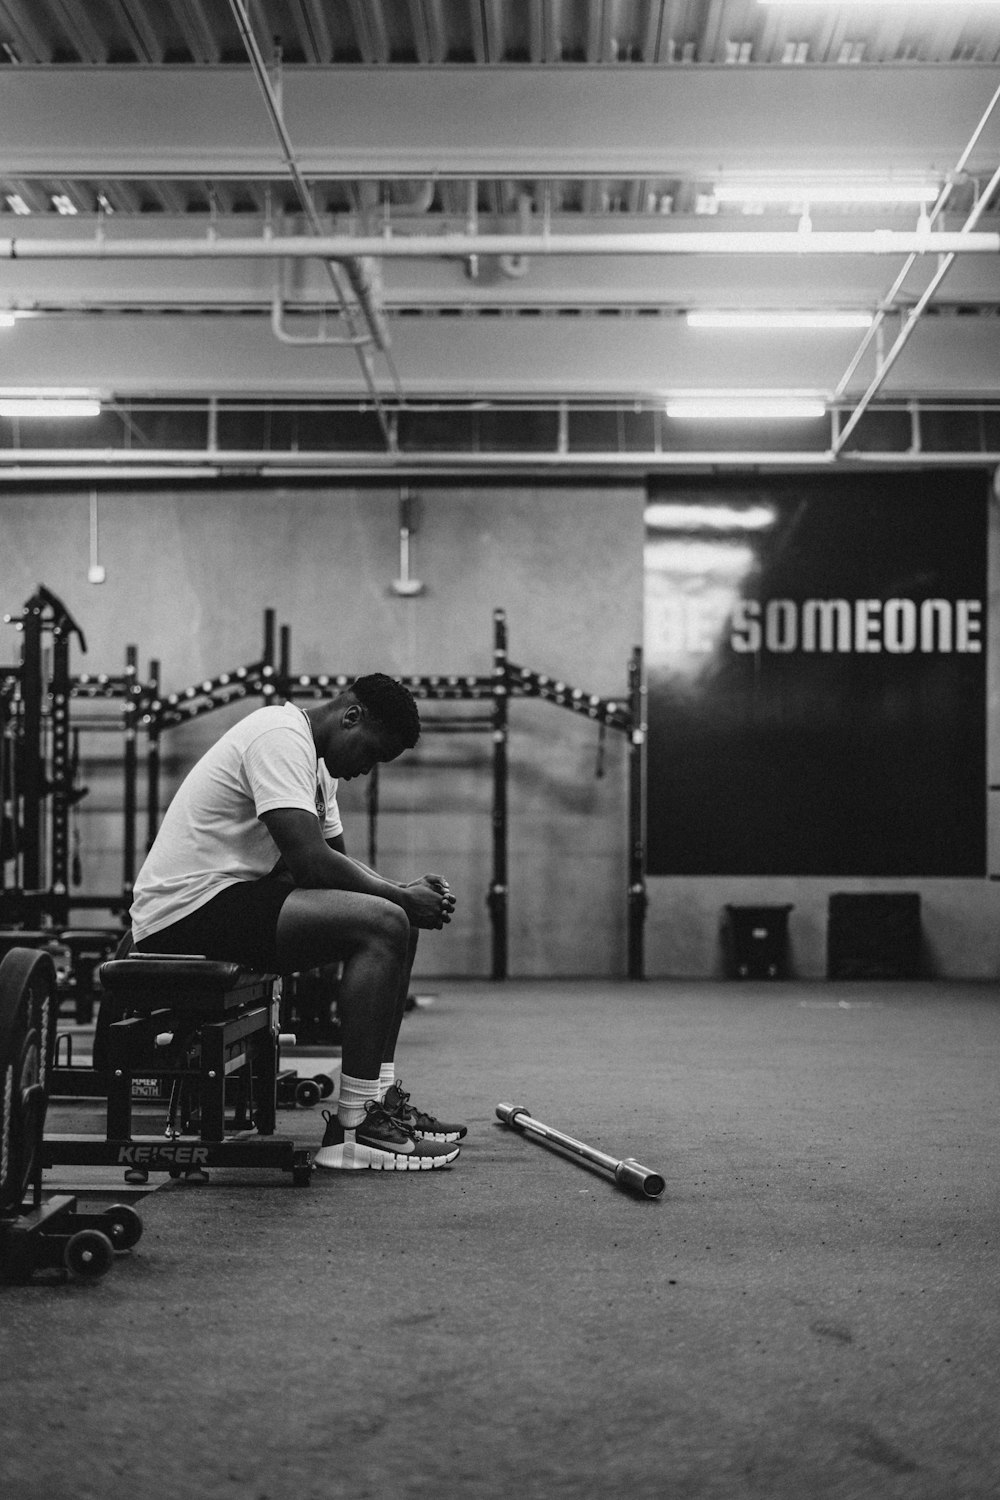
188 577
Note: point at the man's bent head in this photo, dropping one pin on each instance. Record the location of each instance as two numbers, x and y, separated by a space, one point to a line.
370 723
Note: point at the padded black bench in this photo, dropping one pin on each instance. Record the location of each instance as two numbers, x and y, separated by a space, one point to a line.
192 1019
198 1025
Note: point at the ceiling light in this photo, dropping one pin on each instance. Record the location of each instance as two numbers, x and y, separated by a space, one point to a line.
7 319
779 320
829 190
683 516
49 406
63 203
743 408
16 204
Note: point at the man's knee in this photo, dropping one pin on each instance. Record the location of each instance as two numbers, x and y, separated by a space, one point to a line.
391 925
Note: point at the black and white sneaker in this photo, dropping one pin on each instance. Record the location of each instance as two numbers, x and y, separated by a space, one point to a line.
381 1143
425 1127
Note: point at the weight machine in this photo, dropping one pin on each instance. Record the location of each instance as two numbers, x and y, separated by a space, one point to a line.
39 768
37 764
36 1234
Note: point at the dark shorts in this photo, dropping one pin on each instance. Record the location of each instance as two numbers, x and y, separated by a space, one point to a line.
239 924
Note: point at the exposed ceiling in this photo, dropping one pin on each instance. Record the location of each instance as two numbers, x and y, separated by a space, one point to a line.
310 236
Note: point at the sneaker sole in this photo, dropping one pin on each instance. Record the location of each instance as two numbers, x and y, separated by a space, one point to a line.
445 1135
356 1157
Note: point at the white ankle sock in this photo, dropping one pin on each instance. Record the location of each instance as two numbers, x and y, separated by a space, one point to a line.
354 1093
386 1079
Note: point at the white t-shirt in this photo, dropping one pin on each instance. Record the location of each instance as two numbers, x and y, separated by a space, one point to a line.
211 835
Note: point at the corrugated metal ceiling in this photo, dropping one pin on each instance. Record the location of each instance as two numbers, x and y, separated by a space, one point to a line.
495 33
566 356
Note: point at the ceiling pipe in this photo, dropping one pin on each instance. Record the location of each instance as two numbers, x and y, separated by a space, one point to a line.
516 266
171 465
358 280
358 276
311 341
347 248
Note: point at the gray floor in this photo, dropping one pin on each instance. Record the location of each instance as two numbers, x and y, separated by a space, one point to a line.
810 1310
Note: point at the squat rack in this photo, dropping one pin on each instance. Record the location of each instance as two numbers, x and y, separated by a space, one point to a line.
145 708
273 680
37 762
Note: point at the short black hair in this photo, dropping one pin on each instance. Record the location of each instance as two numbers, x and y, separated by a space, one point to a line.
390 705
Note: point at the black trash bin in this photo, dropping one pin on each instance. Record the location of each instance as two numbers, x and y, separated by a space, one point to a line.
756 942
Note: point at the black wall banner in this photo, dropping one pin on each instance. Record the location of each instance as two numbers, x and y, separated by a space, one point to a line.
816 651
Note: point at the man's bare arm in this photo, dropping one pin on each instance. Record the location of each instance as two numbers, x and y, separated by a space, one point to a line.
314 863
437 881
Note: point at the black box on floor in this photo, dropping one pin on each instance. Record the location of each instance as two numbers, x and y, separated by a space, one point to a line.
756 942
873 935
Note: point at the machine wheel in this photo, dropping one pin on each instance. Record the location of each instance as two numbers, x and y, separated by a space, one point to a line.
124 1226
89 1254
325 1084
307 1093
28 1007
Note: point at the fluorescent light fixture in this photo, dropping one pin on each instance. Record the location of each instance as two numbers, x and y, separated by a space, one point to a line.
814 190
16 204
63 203
676 515
49 406
743 408
830 320
7 319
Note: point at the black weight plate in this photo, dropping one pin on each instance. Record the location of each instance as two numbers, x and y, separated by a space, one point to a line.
28 1007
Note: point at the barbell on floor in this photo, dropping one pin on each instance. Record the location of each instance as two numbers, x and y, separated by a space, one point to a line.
627 1173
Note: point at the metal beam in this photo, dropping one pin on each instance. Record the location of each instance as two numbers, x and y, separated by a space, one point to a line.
511 121
623 357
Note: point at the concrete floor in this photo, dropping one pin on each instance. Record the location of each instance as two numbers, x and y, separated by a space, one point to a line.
810 1312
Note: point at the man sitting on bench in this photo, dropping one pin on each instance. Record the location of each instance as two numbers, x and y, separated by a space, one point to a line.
250 865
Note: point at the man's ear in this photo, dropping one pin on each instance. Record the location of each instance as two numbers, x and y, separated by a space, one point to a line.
352 715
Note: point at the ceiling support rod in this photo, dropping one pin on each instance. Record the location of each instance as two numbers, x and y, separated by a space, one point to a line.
355 273
944 265
347 247
897 286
